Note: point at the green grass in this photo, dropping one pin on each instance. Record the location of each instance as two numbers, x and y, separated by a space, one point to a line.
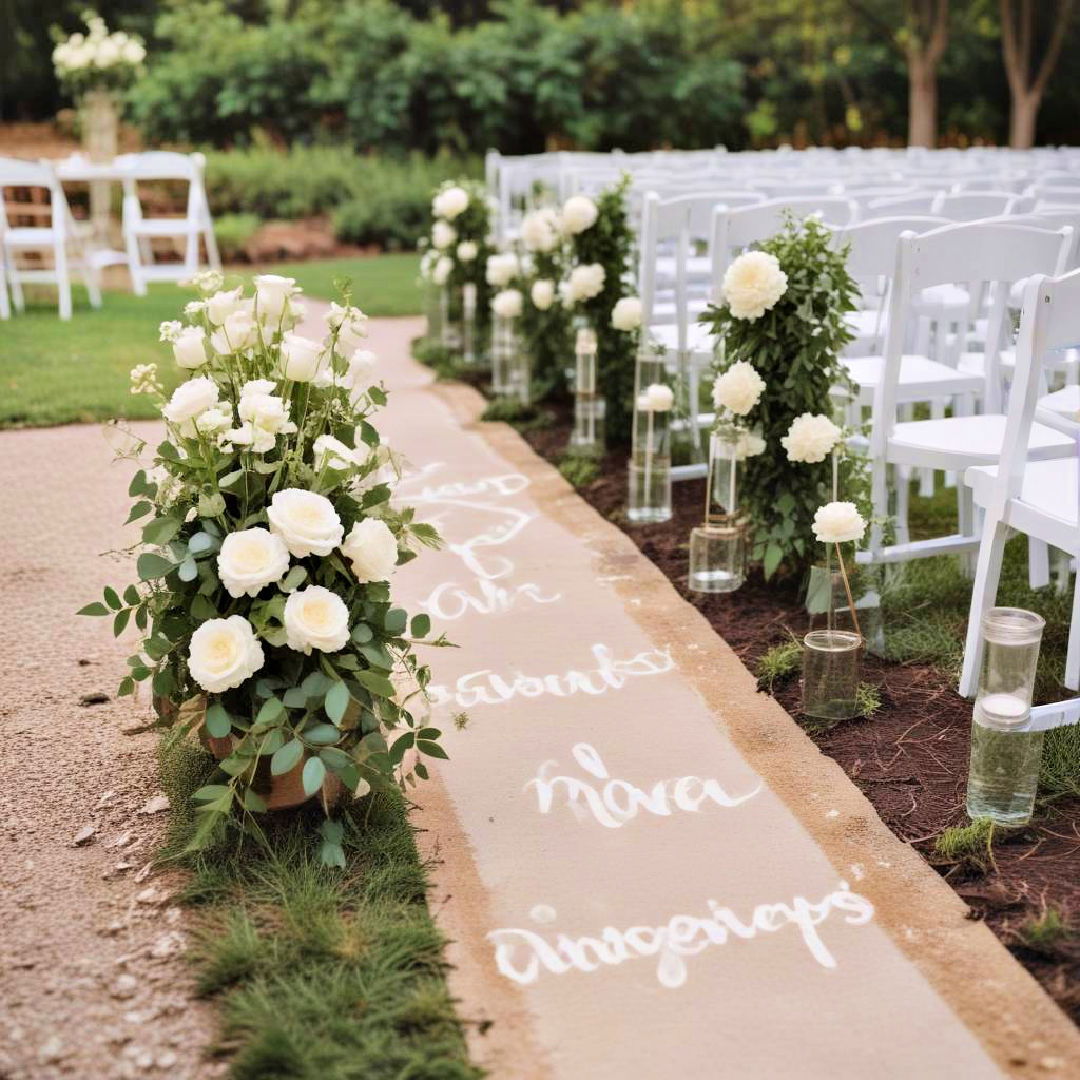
317 973
968 845
779 664
1046 932
77 372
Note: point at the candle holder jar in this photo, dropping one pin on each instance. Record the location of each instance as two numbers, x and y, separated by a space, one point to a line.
832 666
468 324
588 434
1003 773
650 457
718 547
450 320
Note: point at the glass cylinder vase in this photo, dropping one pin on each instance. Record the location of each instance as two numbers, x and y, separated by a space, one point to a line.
450 320
510 367
1003 773
832 665
588 434
468 324
100 121
650 457
718 547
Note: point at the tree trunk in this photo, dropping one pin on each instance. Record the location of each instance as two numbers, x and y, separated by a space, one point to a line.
1022 117
922 102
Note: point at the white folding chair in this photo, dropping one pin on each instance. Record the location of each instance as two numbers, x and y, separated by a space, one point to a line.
57 243
973 205
997 254
912 202
140 231
1038 498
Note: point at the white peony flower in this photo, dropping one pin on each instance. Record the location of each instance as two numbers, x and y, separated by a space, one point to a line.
838 522
251 559
586 282
239 331
189 347
540 230
331 453
273 294
507 303
501 269
372 549
450 203
190 399
307 522
543 294
578 214
626 315
443 235
223 304
301 358
753 283
441 273
351 324
224 653
656 398
738 389
467 251
810 438
316 618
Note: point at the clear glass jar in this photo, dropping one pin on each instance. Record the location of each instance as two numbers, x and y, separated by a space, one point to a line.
450 318
502 355
1003 773
468 323
650 457
588 434
832 666
717 557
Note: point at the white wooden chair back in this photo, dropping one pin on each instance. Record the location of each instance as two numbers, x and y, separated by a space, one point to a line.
974 205
913 202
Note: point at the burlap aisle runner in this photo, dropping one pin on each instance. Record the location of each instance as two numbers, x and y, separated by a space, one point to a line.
643 904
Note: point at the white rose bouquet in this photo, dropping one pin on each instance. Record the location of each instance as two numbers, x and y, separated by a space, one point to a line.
98 59
263 591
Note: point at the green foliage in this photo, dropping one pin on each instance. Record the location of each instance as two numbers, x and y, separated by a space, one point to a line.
579 470
795 348
781 663
510 412
1060 775
968 845
232 232
868 699
317 973
1047 932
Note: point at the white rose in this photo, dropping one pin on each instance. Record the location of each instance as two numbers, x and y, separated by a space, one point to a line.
361 373
467 251
190 399
540 230
301 358
810 438
838 522
450 203
189 347
372 549
214 420
307 522
263 417
222 304
507 303
586 282
224 653
272 295
251 559
656 398
331 453
543 294
316 618
443 235
626 315
578 214
442 270
239 331
738 389
133 52
753 284
501 270
351 324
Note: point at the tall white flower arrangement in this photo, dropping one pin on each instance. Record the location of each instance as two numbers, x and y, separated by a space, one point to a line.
98 59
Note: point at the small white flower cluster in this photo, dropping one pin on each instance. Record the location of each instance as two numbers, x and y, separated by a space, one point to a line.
97 57
144 379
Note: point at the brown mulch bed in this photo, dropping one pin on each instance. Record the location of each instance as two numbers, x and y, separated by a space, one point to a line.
910 759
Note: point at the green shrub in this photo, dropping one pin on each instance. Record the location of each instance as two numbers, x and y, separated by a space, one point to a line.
232 232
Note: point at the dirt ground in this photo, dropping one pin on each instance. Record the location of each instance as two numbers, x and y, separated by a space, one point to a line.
910 759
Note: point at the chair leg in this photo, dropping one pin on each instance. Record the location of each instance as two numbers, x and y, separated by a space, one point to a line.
1072 657
879 497
1038 563
5 306
63 285
965 512
983 596
902 477
17 297
138 283
92 280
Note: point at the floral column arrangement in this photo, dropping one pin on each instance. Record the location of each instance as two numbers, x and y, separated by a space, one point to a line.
263 597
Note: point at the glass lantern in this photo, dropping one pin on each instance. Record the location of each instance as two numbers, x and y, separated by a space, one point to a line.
718 547
832 667
588 434
1003 774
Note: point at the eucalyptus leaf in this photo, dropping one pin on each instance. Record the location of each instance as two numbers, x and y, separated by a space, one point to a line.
287 757
313 776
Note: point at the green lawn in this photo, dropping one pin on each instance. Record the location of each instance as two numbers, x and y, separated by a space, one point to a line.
58 373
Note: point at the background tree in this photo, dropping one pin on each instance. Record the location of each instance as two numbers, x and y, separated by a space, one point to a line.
1021 32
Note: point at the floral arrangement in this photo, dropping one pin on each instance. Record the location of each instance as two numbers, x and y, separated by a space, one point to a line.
783 311
263 594
98 59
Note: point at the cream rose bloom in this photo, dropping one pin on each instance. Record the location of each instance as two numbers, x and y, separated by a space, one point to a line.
372 549
307 522
351 325
251 559
501 270
189 347
738 389
578 214
272 295
316 618
190 399
222 304
301 358
224 653
467 251
586 281
656 398
331 453
810 438
441 273
450 203
540 230
215 420
543 294
239 331
507 303
753 283
838 522
626 314
443 235
263 416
